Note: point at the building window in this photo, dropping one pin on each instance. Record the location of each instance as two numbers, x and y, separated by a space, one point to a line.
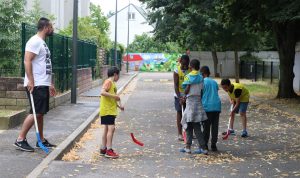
131 15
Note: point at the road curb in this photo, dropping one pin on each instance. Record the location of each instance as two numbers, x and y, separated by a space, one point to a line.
69 142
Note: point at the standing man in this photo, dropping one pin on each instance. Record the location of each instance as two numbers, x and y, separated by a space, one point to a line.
38 71
239 98
212 105
178 76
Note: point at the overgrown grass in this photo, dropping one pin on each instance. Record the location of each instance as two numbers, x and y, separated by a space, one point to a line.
262 89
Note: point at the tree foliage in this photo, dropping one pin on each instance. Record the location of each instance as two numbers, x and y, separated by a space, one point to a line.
93 28
279 17
199 26
233 25
146 44
11 15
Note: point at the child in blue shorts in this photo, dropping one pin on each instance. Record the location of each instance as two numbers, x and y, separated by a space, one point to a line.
239 98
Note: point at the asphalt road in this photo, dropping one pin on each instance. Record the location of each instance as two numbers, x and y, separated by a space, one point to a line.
272 150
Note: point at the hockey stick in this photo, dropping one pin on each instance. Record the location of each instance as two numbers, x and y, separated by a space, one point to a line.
40 143
131 134
183 130
225 137
135 140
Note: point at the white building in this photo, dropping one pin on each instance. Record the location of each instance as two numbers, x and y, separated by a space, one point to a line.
137 24
61 9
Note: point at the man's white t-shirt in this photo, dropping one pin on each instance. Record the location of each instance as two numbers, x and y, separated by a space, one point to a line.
41 64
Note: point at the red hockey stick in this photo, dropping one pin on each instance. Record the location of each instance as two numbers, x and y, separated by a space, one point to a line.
225 137
135 140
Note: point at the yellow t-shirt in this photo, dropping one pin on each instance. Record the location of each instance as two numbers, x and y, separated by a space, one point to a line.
108 105
245 92
181 76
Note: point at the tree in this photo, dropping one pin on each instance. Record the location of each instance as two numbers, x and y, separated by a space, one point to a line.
93 28
36 13
199 24
146 44
11 15
282 18
98 19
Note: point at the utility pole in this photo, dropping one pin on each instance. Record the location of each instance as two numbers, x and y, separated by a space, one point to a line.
127 63
116 25
74 53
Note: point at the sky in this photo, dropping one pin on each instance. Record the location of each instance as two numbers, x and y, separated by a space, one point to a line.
110 5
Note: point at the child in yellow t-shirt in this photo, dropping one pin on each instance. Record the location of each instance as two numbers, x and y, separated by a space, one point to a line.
108 111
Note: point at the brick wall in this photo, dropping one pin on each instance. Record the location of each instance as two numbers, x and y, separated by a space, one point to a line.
84 79
104 69
12 93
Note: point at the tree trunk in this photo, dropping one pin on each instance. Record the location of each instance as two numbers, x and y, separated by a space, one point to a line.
215 59
237 67
286 34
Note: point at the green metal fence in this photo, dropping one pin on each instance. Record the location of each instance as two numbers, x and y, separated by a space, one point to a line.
61 56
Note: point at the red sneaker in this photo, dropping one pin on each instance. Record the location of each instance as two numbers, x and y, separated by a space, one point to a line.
103 151
111 154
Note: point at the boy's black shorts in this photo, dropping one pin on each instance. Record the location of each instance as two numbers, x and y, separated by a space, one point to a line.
108 120
41 97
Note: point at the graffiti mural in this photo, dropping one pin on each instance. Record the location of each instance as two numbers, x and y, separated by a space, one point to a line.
152 62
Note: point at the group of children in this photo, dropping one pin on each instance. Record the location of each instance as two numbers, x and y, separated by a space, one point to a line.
198 104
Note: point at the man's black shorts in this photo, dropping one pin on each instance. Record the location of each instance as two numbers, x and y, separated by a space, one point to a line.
41 97
108 120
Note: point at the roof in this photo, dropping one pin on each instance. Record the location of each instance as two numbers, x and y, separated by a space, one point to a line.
139 9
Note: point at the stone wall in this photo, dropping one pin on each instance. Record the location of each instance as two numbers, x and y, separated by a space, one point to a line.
101 56
12 93
226 60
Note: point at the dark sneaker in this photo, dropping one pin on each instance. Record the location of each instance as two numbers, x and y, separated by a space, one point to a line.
103 151
231 132
214 148
46 144
244 134
111 154
23 145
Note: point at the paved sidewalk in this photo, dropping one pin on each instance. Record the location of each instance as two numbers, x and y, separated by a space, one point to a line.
60 122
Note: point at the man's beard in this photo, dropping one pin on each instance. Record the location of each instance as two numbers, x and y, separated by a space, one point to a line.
50 33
